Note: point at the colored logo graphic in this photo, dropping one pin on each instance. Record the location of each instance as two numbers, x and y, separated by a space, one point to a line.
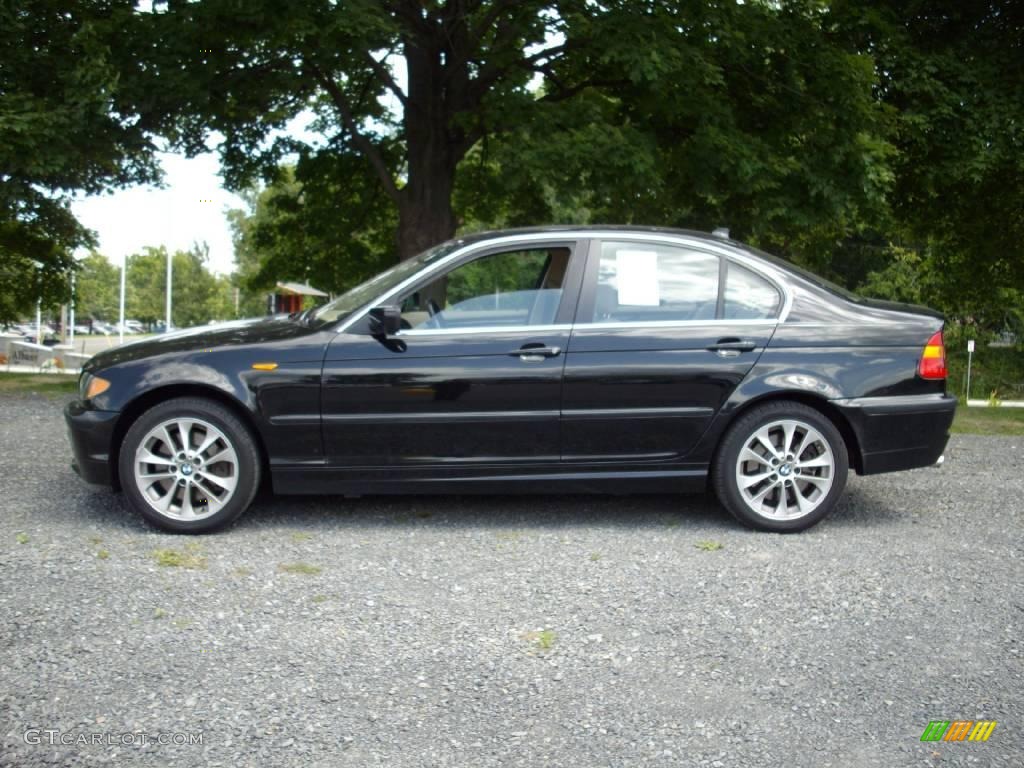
958 730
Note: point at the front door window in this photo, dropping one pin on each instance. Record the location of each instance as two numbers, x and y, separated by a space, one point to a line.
511 289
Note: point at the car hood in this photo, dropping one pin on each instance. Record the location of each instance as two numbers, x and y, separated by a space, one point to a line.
231 334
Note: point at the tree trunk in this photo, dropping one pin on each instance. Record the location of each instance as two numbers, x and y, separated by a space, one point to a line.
434 147
425 214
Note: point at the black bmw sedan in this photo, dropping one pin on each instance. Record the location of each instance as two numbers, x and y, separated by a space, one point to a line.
603 359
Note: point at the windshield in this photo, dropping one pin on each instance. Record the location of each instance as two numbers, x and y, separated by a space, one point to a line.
364 293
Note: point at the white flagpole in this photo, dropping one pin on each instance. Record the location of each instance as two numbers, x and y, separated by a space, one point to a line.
120 325
71 311
167 322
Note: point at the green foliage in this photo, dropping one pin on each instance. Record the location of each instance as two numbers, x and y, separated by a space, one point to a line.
541 639
310 227
951 77
740 126
62 129
993 368
97 289
301 569
877 143
709 546
197 295
190 558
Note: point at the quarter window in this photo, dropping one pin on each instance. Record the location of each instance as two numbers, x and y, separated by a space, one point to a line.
638 282
519 288
748 296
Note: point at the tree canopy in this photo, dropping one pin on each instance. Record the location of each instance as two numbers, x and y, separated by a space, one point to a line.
62 130
878 143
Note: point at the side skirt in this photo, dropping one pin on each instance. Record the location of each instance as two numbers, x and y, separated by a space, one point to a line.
379 481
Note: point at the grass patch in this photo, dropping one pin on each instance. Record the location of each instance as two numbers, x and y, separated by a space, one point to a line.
103 554
159 613
988 421
173 558
22 538
303 569
319 599
542 639
301 536
242 571
709 546
38 383
994 369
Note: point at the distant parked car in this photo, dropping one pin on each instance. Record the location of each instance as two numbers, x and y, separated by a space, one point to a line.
560 359
29 330
134 326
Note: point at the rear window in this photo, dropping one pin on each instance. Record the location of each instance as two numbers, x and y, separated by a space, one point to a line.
748 296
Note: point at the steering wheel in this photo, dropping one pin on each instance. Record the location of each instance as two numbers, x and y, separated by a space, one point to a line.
436 316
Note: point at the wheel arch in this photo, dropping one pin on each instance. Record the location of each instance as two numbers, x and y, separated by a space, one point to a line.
820 404
135 408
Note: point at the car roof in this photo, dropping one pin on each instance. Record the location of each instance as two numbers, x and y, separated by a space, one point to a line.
789 270
473 237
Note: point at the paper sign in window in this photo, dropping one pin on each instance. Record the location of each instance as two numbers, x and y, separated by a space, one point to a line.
637 274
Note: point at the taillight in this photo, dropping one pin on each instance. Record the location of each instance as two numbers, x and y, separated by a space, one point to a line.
933 359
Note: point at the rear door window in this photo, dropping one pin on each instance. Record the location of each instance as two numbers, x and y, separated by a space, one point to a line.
645 282
748 296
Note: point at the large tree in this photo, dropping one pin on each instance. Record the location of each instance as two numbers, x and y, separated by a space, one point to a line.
665 107
62 130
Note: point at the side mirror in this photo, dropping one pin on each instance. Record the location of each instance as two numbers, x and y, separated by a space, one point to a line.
385 321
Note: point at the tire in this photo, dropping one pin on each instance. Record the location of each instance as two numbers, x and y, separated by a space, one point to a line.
219 469
770 489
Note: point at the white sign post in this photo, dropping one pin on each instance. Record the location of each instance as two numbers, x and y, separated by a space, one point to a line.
970 355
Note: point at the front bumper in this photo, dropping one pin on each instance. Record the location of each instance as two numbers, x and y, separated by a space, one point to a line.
91 434
900 432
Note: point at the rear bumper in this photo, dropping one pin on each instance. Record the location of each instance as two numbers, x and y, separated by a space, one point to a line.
91 434
901 432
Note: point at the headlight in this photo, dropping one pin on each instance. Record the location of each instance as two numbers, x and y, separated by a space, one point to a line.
92 386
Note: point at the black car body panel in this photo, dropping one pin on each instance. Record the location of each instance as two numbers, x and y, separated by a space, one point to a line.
612 406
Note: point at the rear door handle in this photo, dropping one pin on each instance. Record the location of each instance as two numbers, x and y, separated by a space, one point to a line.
533 353
731 347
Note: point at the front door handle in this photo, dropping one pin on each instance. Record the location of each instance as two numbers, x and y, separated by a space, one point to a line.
731 347
533 353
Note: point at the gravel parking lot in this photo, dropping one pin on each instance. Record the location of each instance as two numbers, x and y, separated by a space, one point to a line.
569 631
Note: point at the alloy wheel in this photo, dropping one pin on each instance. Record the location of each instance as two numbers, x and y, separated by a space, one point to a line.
785 470
186 469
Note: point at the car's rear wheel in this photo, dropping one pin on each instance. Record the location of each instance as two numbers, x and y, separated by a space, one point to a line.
781 467
189 465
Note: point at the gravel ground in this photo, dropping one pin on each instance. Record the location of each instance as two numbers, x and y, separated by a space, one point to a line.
569 631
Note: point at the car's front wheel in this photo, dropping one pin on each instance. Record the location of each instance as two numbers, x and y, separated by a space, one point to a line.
781 467
189 465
